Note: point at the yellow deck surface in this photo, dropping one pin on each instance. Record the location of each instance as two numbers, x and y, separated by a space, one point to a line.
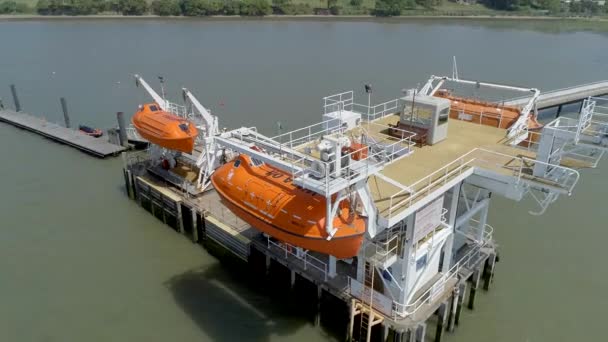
463 137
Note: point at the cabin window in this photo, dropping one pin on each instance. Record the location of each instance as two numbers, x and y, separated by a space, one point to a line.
237 163
444 115
154 108
256 162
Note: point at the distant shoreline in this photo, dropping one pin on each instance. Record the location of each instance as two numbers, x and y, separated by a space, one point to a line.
35 17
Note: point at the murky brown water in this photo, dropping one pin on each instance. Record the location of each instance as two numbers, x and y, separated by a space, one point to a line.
79 261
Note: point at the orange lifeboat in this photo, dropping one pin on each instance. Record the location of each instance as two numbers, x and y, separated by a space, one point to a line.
165 129
266 198
485 113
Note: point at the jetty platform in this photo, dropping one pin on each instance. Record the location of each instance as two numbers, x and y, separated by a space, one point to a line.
94 146
559 97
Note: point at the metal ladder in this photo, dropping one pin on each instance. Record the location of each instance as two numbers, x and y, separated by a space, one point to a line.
367 312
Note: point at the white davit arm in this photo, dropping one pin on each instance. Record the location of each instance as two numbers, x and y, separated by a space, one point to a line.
157 98
210 120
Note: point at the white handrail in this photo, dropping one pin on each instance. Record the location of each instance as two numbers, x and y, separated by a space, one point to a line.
307 259
468 160
404 310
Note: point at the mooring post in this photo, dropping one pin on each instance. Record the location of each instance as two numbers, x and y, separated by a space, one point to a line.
474 286
15 98
489 271
268 261
122 129
350 326
351 320
385 332
441 317
180 218
399 336
463 291
453 308
194 226
318 313
129 184
410 335
292 282
66 116
420 332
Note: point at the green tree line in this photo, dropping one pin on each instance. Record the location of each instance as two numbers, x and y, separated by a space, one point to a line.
12 7
397 7
287 7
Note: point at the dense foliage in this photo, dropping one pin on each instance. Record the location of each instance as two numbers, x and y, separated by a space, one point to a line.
389 8
11 7
287 7
165 7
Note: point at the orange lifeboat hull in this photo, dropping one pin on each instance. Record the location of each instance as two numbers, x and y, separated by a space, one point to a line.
265 197
485 113
165 129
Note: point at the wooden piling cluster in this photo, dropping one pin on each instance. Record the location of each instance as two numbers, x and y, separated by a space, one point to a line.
321 301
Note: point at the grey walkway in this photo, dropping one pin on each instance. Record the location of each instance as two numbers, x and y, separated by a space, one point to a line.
96 146
567 95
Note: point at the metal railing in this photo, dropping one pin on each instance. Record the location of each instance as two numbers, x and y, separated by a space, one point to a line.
378 150
345 101
177 109
428 297
307 259
473 229
304 135
337 102
375 112
383 250
478 116
515 166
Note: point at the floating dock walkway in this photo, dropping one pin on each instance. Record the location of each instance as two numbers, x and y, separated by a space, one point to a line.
564 96
94 146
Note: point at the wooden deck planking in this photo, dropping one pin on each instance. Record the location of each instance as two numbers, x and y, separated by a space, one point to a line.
96 146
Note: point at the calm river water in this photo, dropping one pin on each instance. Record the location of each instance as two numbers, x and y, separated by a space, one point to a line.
80 262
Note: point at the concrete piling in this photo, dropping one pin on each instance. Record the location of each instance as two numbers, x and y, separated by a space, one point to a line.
462 292
420 333
318 311
122 129
194 226
179 218
489 272
15 98
453 309
66 116
474 286
268 262
442 313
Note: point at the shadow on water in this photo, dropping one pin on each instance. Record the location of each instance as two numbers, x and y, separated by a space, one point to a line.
229 303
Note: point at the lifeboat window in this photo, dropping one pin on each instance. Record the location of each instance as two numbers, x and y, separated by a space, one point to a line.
256 162
154 108
237 163
184 127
